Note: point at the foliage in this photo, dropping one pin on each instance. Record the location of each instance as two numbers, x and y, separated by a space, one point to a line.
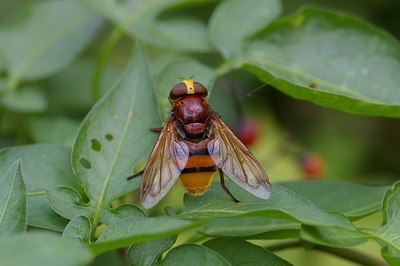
325 57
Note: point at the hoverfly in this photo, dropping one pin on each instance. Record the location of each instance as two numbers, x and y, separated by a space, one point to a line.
192 145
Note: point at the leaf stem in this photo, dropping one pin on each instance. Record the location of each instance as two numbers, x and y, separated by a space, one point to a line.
106 50
344 253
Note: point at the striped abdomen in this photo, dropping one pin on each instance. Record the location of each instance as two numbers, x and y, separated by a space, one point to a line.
199 170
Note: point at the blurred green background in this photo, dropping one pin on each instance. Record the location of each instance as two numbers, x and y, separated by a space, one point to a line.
293 139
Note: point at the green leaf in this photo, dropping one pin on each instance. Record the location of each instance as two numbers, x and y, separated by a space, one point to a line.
78 228
391 256
352 200
128 232
180 33
59 129
25 100
141 20
173 74
125 212
42 248
332 236
67 202
115 136
113 258
45 166
240 252
388 234
148 253
44 37
193 255
252 227
329 59
235 20
70 88
40 214
283 204
12 201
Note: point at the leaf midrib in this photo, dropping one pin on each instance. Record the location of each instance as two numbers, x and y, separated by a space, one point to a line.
128 120
8 197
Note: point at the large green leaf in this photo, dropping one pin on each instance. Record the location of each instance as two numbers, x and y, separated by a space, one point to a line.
44 37
45 166
173 73
352 200
148 253
388 235
283 204
332 236
42 248
194 255
329 59
252 227
141 19
114 137
235 20
127 232
239 252
12 200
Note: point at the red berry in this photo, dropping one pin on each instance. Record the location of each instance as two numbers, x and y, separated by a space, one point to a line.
313 165
247 131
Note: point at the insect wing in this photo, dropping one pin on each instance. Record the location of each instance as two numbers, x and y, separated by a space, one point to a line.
167 160
236 161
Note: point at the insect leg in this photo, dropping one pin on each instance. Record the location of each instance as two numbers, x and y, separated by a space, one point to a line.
221 176
135 175
156 129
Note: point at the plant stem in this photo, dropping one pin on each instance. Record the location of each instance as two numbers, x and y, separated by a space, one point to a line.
108 46
344 253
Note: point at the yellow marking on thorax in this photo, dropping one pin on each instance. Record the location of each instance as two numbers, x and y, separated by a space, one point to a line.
189 86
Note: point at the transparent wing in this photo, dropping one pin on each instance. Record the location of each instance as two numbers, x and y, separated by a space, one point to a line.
236 161
167 160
